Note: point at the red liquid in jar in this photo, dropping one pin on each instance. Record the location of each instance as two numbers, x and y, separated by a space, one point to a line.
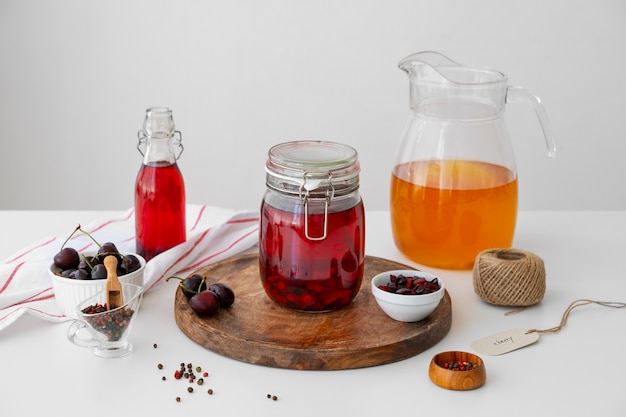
311 275
159 209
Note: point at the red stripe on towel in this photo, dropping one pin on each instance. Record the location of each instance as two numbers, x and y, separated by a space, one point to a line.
180 258
229 247
41 245
198 217
6 284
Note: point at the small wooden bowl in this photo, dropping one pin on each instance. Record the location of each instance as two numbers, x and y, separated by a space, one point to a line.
457 380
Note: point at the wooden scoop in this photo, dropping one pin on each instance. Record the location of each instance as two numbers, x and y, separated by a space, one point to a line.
115 298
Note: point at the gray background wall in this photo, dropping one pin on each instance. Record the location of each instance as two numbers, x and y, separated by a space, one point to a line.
76 77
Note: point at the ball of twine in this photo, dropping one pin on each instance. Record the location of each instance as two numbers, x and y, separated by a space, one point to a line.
509 277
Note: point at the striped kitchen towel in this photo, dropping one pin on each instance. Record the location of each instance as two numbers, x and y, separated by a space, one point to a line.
213 234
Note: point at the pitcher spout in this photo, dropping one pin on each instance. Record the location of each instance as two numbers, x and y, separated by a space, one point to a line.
441 87
426 63
433 67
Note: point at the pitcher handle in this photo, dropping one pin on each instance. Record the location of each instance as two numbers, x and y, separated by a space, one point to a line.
517 94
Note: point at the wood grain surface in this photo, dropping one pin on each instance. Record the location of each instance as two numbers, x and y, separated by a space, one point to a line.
257 330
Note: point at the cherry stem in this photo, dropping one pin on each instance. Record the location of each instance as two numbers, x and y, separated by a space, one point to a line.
180 284
90 237
168 278
70 236
84 232
87 262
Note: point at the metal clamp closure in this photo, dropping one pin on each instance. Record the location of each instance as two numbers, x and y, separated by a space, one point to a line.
143 142
304 197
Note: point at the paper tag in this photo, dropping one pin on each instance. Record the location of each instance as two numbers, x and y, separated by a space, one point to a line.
505 342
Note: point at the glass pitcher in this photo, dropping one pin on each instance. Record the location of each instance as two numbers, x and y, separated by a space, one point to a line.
454 181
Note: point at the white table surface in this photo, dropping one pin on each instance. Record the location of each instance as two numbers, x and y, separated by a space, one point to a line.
579 371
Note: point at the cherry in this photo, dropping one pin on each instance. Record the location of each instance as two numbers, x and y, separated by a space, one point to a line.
191 285
81 274
68 273
108 248
99 271
67 258
204 303
87 262
225 294
202 300
128 264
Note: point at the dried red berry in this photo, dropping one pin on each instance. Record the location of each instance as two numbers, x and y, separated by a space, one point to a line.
401 284
459 365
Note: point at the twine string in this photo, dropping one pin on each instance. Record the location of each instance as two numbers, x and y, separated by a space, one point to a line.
572 306
509 277
517 278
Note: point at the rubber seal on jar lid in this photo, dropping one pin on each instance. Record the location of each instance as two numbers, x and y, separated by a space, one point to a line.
312 165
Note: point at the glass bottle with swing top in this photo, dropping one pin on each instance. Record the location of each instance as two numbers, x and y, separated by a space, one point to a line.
159 186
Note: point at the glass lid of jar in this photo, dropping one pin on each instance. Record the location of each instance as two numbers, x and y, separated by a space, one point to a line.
312 165
312 156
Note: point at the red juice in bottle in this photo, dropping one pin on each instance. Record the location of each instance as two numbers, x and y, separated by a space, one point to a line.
159 187
159 209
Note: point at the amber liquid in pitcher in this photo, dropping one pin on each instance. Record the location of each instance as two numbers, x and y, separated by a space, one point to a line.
444 213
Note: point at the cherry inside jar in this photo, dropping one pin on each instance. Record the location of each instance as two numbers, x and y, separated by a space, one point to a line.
312 228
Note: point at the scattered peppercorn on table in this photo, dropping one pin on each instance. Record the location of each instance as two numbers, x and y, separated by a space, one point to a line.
42 372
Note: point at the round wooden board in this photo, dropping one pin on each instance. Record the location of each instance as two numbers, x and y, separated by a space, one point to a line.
258 331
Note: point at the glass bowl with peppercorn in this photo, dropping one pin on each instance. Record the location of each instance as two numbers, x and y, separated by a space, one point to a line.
106 330
407 295
457 370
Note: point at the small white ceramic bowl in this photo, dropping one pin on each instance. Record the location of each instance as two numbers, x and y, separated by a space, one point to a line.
70 292
405 307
